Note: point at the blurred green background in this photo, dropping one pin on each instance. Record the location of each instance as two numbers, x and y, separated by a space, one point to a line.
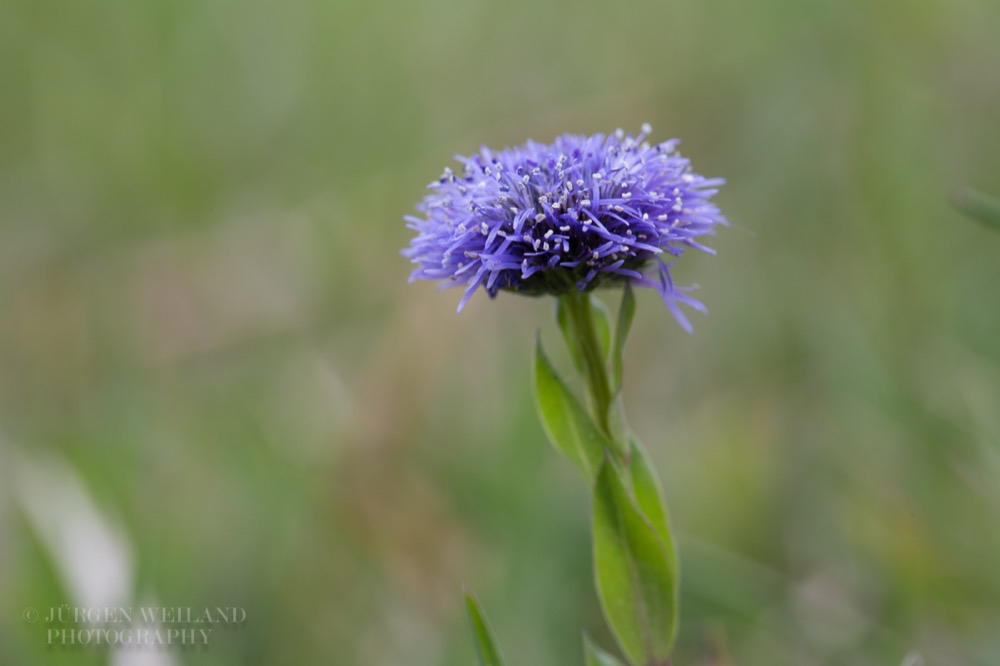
218 389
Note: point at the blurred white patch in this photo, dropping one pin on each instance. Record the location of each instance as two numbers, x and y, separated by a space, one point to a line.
147 657
90 552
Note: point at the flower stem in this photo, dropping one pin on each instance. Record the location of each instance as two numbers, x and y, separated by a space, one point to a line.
595 369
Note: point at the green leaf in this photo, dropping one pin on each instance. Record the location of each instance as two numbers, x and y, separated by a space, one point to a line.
978 206
566 327
617 423
564 419
595 656
482 637
649 497
633 573
602 318
602 322
626 312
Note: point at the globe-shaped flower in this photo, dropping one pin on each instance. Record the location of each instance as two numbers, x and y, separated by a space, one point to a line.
579 213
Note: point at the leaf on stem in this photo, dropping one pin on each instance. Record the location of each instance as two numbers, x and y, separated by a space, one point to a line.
486 648
633 573
566 423
595 656
626 312
617 423
649 496
616 411
602 323
602 319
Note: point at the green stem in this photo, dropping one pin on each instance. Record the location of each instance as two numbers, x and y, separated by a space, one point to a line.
595 370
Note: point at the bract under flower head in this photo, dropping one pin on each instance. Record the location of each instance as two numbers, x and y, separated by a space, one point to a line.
581 212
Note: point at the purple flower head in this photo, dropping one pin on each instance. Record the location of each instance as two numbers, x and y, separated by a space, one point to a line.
576 214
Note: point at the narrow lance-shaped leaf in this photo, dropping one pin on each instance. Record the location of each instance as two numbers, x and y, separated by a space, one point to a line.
616 410
595 656
617 423
602 319
649 496
633 573
566 423
602 323
486 647
626 312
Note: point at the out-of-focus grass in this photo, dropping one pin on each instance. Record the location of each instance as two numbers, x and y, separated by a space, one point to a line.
205 314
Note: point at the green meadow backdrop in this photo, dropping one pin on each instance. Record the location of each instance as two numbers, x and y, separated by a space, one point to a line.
217 388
